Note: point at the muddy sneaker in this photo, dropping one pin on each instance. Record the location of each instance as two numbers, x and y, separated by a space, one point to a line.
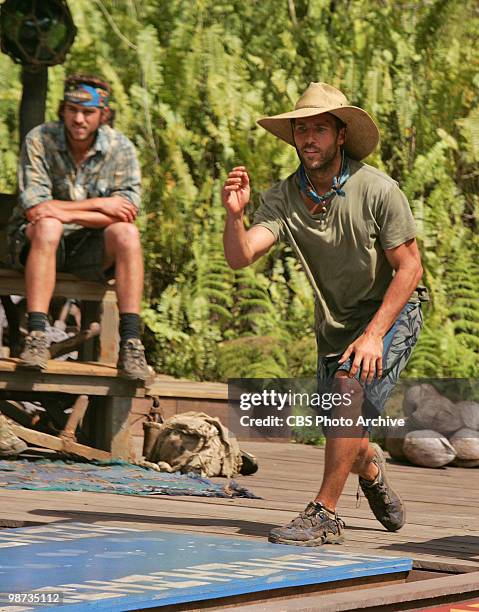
313 527
383 500
131 361
35 354
9 443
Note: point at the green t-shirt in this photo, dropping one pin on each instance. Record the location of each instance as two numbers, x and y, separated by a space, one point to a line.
344 257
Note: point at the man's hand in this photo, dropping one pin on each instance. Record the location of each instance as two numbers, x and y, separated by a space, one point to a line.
118 208
47 209
236 191
368 354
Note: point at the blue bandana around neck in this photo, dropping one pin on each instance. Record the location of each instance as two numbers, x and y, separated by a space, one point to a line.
307 188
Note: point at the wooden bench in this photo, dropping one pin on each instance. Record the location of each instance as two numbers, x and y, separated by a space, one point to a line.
111 395
98 299
98 304
109 398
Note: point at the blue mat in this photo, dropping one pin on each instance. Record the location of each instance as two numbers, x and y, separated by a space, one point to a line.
112 477
78 567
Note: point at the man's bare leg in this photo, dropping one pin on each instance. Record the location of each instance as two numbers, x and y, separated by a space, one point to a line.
355 454
40 276
347 454
40 269
123 249
347 451
363 465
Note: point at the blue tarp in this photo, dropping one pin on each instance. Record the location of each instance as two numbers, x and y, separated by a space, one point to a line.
109 477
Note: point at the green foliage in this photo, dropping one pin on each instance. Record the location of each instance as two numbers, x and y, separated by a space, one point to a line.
9 97
190 79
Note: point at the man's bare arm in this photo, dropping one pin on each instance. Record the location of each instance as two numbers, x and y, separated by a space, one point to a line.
241 246
406 261
92 212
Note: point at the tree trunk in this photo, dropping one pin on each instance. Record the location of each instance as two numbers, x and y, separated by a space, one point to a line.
34 96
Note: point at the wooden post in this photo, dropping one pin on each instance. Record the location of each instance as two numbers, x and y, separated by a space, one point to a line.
109 322
111 427
34 96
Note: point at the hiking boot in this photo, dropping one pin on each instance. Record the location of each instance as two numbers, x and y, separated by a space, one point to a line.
35 353
313 527
10 444
383 500
131 361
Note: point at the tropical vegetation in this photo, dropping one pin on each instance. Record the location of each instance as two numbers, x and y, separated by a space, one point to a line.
189 81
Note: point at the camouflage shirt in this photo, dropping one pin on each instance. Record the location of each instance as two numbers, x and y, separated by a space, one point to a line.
47 170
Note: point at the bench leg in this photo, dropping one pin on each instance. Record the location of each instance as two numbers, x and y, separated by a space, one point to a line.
104 348
109 337
112 427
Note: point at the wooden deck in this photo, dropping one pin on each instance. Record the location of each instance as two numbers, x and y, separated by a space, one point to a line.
442 532
441 535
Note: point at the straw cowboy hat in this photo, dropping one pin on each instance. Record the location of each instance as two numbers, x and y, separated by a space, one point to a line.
362 134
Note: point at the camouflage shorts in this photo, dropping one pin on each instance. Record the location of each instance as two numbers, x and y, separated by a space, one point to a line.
398 345
80 253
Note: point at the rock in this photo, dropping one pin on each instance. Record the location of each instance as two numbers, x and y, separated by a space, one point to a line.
465 464
395 440
428 448
438 414
415 396
466 444
469 412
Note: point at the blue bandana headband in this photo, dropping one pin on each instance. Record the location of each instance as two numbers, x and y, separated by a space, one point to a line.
307 188
86 95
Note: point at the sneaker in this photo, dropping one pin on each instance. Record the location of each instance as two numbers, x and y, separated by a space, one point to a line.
131 361
313 527
10 444
383 500
35 353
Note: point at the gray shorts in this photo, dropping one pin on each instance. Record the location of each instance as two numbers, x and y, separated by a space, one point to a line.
398 345
80 253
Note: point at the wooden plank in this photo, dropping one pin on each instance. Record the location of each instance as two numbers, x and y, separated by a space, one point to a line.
73 343
166 386
67 377
38 438
282 597
382 598
67 285
70 368
231 515
109 336
422 526
75 385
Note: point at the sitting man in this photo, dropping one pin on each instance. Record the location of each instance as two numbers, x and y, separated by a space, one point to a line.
79 184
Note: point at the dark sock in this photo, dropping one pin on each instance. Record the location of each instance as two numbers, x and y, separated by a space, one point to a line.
37 321
321 505
129 326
